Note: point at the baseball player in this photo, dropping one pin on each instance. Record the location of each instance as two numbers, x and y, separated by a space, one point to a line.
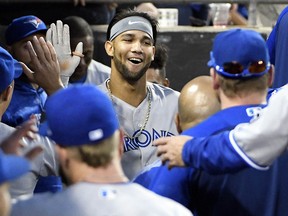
90 148
45 164
44 171
238 193
28 98
145 111
197 101
256 144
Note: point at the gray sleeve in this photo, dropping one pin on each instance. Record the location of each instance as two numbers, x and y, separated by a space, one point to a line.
50 162
265 138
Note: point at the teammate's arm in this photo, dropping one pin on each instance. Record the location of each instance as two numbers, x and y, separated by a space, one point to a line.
254 144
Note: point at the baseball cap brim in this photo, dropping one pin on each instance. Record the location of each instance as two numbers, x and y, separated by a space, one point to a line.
32 32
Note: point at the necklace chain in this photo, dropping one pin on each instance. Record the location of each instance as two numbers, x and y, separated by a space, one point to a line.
147 115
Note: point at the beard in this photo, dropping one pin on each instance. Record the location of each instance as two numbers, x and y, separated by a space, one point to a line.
127 74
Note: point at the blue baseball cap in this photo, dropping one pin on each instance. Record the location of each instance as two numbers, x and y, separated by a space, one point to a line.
79 115
242 46
23 27
9 69
12 167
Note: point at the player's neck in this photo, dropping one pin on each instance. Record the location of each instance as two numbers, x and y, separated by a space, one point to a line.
252 98
112 173
132 93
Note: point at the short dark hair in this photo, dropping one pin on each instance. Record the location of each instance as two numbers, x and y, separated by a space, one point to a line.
129 12
160 57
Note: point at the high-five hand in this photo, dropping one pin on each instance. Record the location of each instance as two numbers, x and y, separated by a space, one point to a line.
59 36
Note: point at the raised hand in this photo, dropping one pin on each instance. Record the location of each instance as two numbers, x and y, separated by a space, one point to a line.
59 36
45 69
16 143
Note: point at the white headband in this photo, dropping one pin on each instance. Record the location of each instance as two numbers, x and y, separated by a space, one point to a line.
131 23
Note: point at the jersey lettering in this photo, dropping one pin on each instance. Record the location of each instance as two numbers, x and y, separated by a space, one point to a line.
254 113
144 139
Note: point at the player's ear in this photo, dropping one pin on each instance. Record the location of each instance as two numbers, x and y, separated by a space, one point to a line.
121 145
178 123
62 155
152 58
7 93
215 78
271 75
166 82
109 48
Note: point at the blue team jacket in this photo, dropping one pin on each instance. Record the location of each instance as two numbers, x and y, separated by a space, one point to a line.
247 192
277 43
25 102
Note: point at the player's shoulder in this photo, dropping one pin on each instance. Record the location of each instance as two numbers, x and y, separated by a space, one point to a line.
162 91
103 86
171 207
99 65
32 206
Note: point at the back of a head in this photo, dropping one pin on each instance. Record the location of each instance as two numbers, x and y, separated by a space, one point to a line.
149 8
156 72
160 57
240 57
78 27
198 100
82 119
80 115
238 49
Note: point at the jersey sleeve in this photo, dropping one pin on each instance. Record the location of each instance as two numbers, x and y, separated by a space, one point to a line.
265 138
214 154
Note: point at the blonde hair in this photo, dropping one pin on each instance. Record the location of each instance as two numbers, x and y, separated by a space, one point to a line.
243 87
97 155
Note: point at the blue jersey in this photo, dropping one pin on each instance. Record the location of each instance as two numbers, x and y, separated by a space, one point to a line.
277 43
25 102
248 192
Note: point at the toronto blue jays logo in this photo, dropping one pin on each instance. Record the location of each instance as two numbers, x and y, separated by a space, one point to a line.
144 140
35 22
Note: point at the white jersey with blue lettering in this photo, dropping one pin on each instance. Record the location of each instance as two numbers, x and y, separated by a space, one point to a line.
91 199
138 150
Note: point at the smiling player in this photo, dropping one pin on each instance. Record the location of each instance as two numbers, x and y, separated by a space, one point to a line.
145 111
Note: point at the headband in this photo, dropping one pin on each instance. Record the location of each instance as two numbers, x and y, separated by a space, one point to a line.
131 23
